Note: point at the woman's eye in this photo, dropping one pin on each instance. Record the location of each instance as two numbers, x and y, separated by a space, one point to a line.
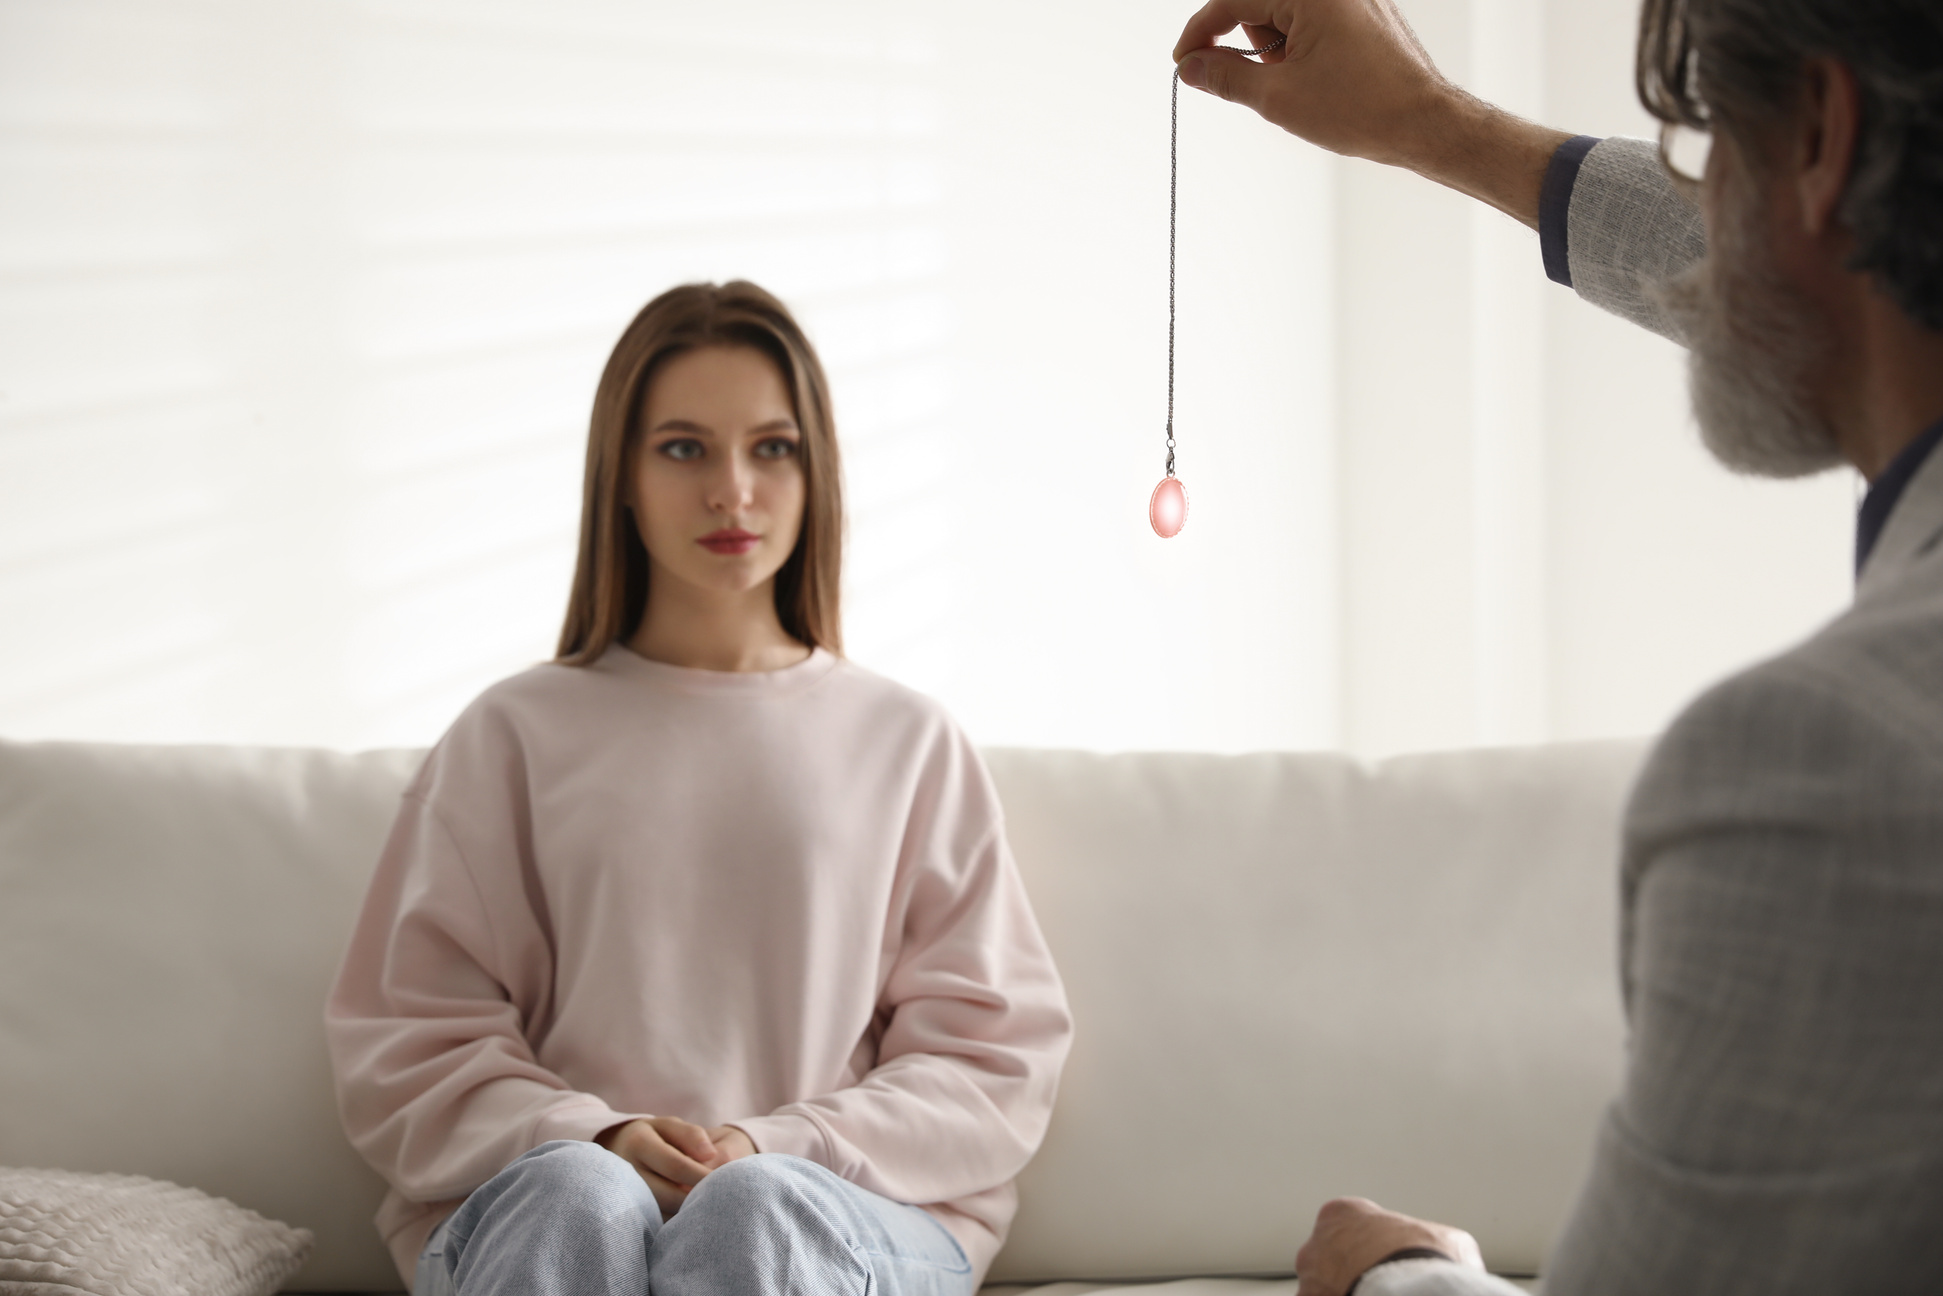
775 448
681 449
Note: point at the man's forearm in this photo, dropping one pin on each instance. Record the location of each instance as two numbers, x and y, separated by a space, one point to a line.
1487 154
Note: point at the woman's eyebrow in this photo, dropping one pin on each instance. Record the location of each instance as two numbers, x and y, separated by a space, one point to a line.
776 425
682 425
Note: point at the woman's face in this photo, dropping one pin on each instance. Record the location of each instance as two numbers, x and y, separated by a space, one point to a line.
715 480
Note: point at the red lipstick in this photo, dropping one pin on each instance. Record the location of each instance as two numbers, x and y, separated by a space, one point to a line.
730 540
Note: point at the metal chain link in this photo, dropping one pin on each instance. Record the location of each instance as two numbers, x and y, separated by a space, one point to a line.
1173 222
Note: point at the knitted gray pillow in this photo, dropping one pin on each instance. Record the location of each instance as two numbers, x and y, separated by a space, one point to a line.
63 1233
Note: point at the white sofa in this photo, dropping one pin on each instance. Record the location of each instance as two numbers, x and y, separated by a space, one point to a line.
1295 977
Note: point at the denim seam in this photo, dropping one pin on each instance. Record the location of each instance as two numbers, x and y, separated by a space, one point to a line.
914 1260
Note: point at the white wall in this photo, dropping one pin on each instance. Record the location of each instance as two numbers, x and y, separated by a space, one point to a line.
1535 546
301 308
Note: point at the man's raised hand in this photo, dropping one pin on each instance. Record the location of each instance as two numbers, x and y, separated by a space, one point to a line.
1354 79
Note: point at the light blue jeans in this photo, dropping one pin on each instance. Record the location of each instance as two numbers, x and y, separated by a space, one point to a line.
573 1219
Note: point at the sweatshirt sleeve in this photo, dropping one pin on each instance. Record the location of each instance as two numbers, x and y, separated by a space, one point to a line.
447 970
974 1020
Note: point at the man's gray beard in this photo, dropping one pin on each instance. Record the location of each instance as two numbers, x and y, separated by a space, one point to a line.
1752 339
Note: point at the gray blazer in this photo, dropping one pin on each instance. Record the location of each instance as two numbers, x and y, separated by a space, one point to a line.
1780 1129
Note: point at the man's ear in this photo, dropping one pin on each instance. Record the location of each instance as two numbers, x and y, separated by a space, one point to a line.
1830 118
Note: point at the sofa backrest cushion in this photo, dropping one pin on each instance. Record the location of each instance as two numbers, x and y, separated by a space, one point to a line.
1295 977
170 919
1298 977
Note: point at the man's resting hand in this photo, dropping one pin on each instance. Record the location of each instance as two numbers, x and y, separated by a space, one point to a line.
1353 1234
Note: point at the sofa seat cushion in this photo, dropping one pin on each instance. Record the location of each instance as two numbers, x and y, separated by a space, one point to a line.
1179 1287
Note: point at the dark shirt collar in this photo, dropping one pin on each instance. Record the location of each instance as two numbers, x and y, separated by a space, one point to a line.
1886 489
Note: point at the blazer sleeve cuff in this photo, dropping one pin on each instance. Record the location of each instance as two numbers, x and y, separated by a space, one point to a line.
1555 206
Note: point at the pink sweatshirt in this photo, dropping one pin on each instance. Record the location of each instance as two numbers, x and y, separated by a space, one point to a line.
781 901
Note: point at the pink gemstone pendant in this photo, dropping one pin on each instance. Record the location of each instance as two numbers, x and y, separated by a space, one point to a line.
1167 510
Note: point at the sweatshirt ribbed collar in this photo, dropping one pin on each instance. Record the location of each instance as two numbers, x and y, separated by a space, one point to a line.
624 661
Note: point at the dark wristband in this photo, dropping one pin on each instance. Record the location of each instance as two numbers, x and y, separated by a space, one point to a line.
1407 1253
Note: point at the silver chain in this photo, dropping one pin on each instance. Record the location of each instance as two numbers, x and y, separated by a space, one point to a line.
1173 222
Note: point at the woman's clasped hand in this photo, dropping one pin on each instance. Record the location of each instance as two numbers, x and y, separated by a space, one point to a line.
672 1156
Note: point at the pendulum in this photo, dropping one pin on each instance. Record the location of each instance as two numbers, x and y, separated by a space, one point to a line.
1167 506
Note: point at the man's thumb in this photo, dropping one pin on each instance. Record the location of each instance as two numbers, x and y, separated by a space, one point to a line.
1223 73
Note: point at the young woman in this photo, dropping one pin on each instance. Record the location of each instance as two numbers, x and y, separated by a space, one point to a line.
696 960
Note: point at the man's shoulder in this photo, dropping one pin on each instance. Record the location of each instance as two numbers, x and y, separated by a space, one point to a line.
1848 722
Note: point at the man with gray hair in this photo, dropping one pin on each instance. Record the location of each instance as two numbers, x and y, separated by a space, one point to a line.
1780 1127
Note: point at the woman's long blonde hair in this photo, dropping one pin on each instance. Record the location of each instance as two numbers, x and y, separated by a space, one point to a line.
610 579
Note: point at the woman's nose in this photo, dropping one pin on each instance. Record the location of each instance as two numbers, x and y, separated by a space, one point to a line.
732 487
